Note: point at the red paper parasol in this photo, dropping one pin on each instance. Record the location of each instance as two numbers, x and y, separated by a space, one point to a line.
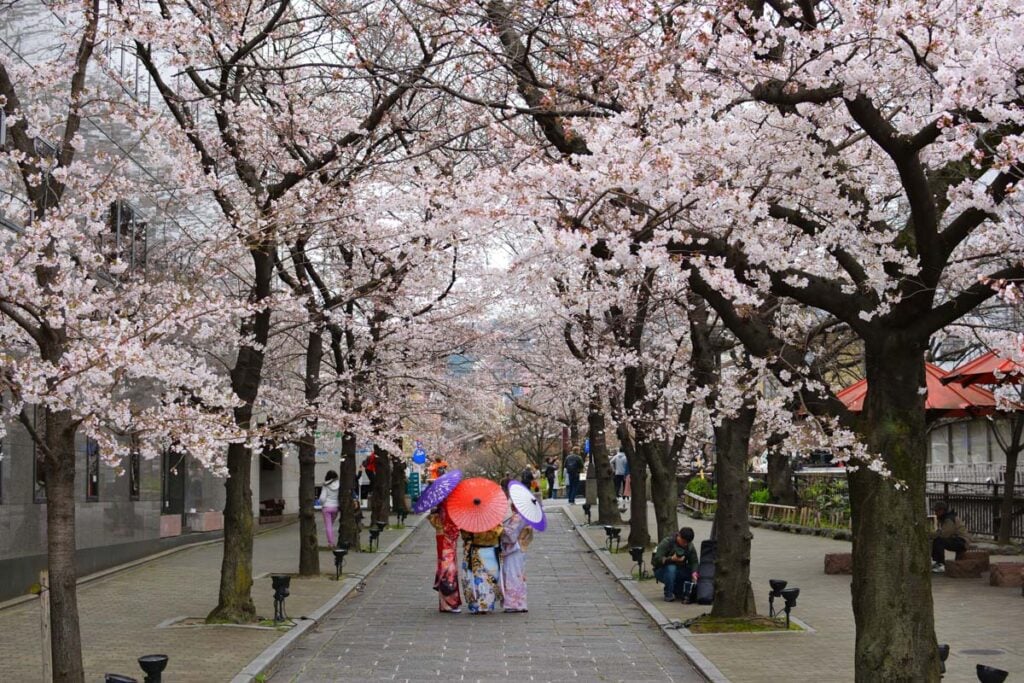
477 504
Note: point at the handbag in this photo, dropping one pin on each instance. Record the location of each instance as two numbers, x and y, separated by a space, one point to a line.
447 587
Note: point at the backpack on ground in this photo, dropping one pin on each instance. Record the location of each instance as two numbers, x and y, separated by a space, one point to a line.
706 572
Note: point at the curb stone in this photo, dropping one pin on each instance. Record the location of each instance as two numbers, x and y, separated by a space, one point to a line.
702 664
266 659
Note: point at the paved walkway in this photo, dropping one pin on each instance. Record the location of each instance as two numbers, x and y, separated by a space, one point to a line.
121 613
970 614
582 626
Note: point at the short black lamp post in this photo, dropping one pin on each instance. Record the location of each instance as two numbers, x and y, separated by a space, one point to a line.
153 666
790 595
402 514
776 592
613 533
637 553
375 529
943 656
586 511
339 561
990 674
281 584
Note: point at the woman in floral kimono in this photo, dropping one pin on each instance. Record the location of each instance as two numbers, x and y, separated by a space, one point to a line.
481 576
446 579
515 538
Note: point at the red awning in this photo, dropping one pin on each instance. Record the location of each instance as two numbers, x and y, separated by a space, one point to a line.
987 369
950 400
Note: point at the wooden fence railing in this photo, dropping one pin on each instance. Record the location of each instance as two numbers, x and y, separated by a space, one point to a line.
770 512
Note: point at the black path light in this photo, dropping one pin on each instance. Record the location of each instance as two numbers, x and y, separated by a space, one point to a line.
990 674
375 530
637 553
339 561
402 514
281 584
153 666
586 511
776 592
613 533
943 656
790 595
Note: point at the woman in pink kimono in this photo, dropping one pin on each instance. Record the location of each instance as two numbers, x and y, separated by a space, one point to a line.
446 579
515 537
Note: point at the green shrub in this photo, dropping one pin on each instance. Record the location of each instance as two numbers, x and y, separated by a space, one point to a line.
762 495
703 488
827 496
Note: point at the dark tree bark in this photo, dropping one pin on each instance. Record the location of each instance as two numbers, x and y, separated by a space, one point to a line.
59 472
309 552
892 588
664 488
348 525
780 478
734 596
607 510
1012 450
399 483
380 492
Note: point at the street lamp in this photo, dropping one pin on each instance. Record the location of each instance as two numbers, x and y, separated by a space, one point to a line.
990 674
637 553
776 592
790 595
280 583
586 511
153 666
613 534
339 561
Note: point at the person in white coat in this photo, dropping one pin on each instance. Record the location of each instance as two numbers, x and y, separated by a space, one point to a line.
329 503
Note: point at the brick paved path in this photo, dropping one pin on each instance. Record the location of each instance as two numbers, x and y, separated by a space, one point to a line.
582 626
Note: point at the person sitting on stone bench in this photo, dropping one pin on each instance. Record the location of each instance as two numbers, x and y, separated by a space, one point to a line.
951 535
675 565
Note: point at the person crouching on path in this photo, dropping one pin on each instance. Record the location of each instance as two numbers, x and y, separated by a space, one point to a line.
329 503
951 535
675 565
446 578
515 538
481 573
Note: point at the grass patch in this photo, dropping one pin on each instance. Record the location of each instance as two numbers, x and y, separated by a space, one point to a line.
708 624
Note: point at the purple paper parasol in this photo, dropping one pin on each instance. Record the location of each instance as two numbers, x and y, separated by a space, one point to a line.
527 505
438 490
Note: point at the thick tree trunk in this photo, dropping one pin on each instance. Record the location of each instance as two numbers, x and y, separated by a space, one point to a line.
398 485
59 469
892 592
607 510
234 603
664 489
309 552
380 494
734 596
780 478
639 533
348 524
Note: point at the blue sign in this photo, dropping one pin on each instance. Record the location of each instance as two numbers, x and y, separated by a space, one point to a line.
419 456
586 446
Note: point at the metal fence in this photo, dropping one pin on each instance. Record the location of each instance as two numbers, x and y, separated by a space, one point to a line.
977 505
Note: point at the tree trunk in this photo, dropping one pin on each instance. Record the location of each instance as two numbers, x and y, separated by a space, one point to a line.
309 552
638 528
348 531
234 603
780 478
399 483
1012 452
892 592
380 493
664 489
59 471
734 596
607 510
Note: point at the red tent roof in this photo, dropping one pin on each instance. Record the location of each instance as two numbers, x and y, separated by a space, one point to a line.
951 400
984 370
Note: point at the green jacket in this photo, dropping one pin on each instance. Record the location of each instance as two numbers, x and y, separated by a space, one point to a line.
950 526
668 546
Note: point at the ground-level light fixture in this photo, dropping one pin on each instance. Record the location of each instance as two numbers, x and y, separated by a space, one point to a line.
339 561
790 595
943 656
281 583
374 538
402 514
990 674
153 666
776 586
613 533
637 553
586 511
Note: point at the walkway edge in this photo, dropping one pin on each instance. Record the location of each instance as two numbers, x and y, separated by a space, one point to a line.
701 663
266 659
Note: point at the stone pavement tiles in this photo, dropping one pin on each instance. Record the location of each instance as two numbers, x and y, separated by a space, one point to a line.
969 614
582 626
120 613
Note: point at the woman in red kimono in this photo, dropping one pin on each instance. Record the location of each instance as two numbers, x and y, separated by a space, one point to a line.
446 580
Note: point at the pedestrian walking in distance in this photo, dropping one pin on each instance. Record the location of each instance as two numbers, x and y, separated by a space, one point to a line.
329 504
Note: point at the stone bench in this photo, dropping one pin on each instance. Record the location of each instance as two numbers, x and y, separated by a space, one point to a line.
1007 574
965 569
839 563
980 555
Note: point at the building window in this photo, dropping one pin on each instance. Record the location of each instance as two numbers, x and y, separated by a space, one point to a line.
134 474
38 476
92 470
